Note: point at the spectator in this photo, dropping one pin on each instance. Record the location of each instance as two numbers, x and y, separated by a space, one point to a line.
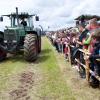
83 34
92 24
95 55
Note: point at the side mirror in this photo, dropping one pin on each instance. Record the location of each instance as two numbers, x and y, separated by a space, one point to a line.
37 18
1 19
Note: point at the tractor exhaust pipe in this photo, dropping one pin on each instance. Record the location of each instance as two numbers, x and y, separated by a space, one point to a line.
17 15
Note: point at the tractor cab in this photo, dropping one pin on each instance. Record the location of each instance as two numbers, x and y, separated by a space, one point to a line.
21 20
21 34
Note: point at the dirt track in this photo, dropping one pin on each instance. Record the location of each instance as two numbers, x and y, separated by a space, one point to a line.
22 84
48 78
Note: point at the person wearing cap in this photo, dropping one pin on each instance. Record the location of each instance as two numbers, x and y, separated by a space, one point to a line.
23 22
83 33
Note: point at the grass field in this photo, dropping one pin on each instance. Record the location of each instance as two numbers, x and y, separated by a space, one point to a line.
54 85
50 77
49 83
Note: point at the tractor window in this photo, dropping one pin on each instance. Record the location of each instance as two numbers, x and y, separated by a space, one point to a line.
26 22
30 21
16 24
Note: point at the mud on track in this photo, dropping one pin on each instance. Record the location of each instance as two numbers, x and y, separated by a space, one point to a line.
24 85
26 81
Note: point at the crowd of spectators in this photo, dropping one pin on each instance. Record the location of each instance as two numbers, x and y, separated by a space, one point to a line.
85 36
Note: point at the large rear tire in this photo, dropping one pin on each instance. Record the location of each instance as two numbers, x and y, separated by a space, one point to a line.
39 45
30 47
2 55
1 37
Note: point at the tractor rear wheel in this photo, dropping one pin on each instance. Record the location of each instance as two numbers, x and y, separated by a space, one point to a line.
30 47
2 55
1 37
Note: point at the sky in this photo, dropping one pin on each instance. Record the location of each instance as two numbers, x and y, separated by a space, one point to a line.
53 13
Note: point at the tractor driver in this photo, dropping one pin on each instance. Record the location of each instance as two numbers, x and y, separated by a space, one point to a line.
23 22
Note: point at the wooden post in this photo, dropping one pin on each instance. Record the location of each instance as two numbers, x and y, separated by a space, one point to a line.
69 54
87 69
62 48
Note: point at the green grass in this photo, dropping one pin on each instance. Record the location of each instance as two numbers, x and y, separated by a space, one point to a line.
51 87
54 85
9 68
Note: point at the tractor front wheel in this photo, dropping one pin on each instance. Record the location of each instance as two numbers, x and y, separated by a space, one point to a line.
30 47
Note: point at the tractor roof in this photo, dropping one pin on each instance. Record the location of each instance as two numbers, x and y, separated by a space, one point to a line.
21 15
87 17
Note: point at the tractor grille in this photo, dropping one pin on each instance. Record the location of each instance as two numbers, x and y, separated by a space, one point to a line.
9 35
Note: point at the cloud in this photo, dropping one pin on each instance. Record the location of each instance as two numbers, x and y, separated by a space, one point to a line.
86 7
53 13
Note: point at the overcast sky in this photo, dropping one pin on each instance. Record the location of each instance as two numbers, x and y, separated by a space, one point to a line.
53 13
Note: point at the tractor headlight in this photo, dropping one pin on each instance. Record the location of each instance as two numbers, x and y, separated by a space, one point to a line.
5 41
14 41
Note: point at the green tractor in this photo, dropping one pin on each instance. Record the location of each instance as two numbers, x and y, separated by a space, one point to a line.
21 35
